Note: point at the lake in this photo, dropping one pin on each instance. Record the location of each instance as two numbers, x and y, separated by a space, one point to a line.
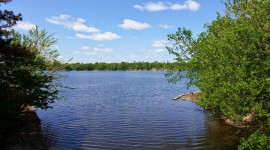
129 110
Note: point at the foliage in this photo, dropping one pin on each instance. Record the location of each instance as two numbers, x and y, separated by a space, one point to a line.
256 141
24 80
230 63
41 42
23 61
8 18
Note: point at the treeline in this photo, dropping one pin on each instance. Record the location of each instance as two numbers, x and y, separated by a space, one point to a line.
120 66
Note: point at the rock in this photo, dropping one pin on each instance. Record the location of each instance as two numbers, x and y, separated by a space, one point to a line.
193 96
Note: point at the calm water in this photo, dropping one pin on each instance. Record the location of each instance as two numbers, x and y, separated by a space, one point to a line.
129 110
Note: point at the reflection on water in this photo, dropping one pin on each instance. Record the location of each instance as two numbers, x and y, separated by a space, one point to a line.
130 110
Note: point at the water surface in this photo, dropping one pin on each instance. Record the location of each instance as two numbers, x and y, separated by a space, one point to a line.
129 110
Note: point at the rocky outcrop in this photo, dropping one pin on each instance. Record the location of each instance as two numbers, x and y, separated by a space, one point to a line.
193 96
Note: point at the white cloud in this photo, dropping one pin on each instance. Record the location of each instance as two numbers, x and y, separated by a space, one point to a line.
188 5
101 45
103 50
85 48
133 56
146 56
131 24
166 26
78 24
192 5
24 26
99 36
139 7
72 23
159 46
157 50
160 6
85 53
161 43
92 51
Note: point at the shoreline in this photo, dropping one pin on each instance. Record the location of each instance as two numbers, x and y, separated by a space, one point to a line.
30 136
193 97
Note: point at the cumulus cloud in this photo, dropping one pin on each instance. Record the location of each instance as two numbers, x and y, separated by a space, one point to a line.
92 51
160 43
76 24
101 45
86 53
133 56
166 26
99 36
141 8
103 50
85 48
155 50
158 46
158 50
160 6
24 26
188 5
135 25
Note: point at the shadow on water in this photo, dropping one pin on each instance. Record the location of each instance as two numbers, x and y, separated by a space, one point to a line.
222 136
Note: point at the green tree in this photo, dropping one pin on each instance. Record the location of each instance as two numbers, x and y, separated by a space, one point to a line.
41 42
23 79
230 63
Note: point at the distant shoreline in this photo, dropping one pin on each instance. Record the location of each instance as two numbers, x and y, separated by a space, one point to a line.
123 66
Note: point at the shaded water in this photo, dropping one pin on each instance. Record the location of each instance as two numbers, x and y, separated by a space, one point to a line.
129 110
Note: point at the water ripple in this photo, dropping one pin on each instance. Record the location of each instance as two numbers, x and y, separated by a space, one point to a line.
131 110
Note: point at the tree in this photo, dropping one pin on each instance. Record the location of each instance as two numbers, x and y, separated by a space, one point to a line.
41 42
24 76
230 63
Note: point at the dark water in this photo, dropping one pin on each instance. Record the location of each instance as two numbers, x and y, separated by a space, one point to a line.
129 110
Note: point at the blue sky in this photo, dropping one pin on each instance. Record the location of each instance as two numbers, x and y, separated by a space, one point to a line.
114 30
